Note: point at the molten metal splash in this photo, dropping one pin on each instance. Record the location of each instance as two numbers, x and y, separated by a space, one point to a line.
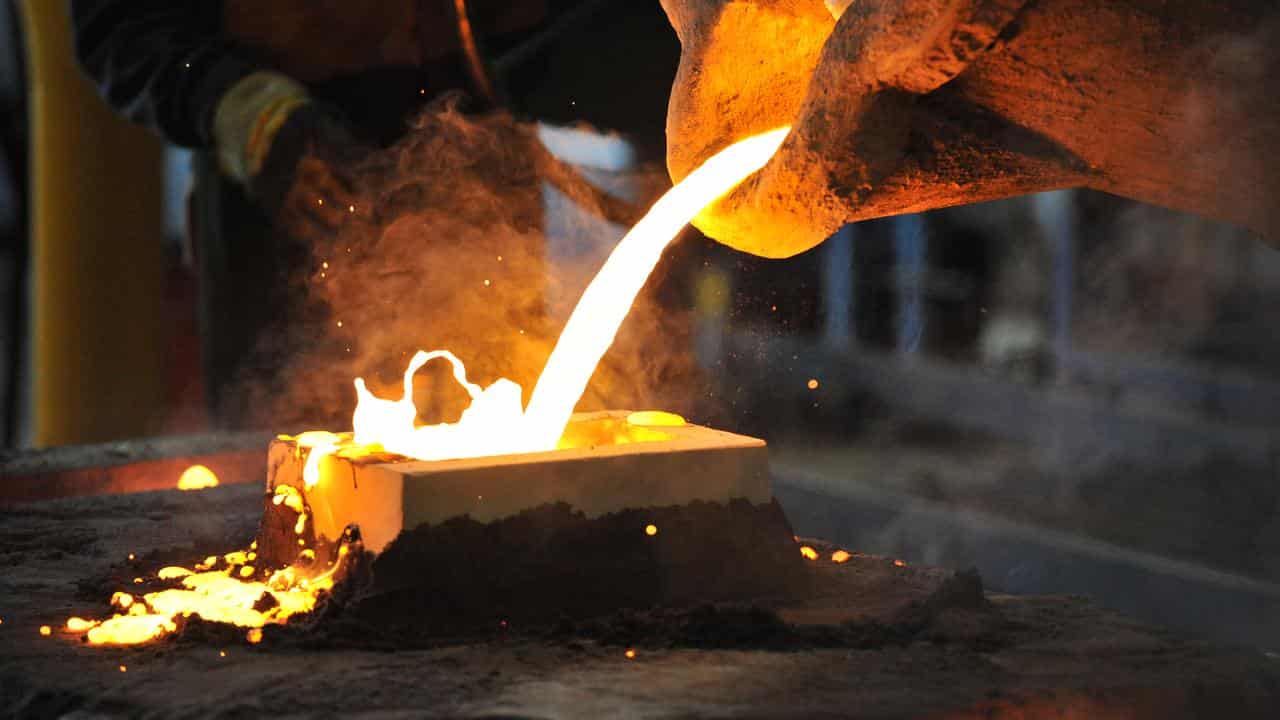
227 595
493 424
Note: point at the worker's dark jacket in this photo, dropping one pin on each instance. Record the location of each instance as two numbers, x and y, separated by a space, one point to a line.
166 63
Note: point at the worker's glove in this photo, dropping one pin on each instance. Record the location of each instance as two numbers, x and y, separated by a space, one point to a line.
295 157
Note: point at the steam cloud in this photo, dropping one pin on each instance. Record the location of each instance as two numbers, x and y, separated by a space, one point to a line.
455 258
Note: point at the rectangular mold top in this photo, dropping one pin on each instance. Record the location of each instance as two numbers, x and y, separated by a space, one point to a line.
608 465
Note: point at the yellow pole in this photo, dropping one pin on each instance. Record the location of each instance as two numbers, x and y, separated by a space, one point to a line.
96 254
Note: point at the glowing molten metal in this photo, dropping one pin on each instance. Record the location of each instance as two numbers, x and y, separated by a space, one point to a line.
495 423
197 477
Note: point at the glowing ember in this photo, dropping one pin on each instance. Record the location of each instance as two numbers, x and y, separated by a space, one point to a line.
45 630
197 477
131 629
808 552
286 495
840 556
655 418
650 530
76 624
813 383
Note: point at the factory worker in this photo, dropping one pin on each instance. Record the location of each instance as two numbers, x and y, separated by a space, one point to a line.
282 98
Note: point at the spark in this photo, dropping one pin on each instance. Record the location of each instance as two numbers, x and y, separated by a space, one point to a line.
45 630
840 556
650 530
808 552
813 383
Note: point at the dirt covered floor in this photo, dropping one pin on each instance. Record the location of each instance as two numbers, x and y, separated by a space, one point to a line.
885 641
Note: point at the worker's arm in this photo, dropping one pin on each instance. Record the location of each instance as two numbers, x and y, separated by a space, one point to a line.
169 65
162 63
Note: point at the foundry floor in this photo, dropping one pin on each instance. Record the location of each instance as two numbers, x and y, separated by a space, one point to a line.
1059 656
